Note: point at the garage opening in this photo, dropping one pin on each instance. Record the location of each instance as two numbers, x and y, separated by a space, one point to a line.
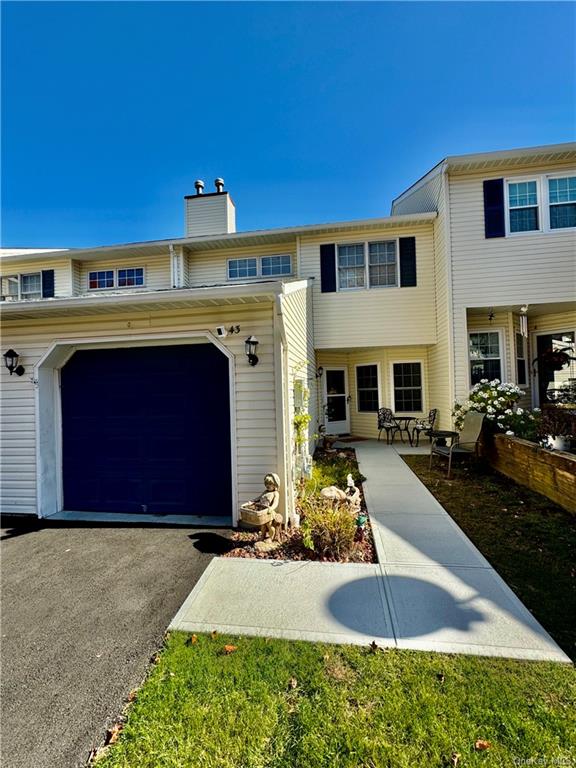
147 430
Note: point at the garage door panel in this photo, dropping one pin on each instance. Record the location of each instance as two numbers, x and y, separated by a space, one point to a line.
137 439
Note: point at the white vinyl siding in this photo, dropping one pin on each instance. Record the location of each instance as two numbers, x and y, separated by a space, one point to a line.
365 424
211 267
61 267
156 273
255 391
374 318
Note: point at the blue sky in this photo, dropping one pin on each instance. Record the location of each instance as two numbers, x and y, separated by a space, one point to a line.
310 111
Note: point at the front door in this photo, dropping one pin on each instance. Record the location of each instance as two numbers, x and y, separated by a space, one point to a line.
336 407
556 367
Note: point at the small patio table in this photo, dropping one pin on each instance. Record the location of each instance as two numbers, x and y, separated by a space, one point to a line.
404 426
441 435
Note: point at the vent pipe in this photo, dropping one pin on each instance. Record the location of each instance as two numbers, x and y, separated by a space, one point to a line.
199 186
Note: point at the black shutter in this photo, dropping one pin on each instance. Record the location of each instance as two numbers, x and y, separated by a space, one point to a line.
494 225
47 283
407 262
328 268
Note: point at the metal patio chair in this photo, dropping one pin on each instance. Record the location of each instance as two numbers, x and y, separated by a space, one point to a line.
387 423
424 425
463 444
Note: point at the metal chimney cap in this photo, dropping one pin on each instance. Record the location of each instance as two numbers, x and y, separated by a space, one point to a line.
199 186
219 184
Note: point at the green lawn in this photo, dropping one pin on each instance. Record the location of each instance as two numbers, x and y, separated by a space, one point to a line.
352 708
527 538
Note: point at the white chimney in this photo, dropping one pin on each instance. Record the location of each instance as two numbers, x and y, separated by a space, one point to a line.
212 213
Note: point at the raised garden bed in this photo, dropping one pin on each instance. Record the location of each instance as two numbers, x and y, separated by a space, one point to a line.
551 473
330 468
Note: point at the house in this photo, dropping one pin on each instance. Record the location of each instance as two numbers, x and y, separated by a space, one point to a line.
143 393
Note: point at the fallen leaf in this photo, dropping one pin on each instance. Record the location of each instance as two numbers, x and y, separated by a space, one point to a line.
132 695
172 674
192 640
292 683
482 744
454 759
113 734
213 634
228 649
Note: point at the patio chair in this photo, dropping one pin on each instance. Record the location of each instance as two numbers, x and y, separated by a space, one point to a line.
387 423
463 444
424 425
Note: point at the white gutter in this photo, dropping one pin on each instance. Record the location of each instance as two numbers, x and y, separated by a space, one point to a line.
271 289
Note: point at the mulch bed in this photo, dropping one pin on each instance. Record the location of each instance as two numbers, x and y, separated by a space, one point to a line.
292 546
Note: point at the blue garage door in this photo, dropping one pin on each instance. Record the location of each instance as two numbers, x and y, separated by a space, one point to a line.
147 429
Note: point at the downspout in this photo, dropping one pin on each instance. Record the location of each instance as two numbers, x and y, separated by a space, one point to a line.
449 285
282 411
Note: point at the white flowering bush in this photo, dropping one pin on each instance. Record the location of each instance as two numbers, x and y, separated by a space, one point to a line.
498 401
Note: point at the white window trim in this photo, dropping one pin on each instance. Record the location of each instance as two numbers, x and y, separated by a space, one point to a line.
425 408
378 387
367 286
546 200
538 206
19 276
525 386
543 205
259 275
503 358
115 287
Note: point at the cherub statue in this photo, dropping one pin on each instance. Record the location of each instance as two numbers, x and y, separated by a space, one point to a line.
352 495
267 503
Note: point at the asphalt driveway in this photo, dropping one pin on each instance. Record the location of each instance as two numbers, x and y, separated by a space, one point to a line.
83 610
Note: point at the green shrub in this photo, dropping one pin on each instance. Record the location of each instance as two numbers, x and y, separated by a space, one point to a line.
332 469
327 528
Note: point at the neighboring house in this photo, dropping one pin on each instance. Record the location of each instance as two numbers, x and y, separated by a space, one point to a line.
138 395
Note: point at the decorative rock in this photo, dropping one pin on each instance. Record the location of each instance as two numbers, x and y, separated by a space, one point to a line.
333 493
266 545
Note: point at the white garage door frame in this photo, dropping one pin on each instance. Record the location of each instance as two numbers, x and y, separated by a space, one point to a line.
50 493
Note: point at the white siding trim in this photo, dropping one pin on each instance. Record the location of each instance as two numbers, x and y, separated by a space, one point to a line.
48 421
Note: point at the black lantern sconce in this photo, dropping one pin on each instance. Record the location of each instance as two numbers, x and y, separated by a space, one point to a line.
11 360
250 345
319 372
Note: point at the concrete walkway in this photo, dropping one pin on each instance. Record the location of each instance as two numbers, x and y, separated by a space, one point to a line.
431 590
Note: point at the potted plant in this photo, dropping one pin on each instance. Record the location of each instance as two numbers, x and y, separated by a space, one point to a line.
556 428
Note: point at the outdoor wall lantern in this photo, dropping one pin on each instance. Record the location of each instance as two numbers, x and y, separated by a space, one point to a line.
11 360
250 344
319 372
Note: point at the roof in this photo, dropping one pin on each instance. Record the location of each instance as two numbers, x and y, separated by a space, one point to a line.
213 242
479 161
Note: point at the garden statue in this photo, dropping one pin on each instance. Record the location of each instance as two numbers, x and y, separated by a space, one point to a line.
262 511
352 495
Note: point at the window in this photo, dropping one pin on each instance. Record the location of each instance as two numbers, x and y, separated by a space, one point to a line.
367 388
265 266
521 369
562 200
523 206
407 387
485 361
131 276
103 279
22 286
276 265
351 266
382 264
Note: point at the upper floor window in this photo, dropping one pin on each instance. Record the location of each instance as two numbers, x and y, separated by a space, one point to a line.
276 265
130 276
264 266
367 264
127 277
351 266
562 201
27 286
523 206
